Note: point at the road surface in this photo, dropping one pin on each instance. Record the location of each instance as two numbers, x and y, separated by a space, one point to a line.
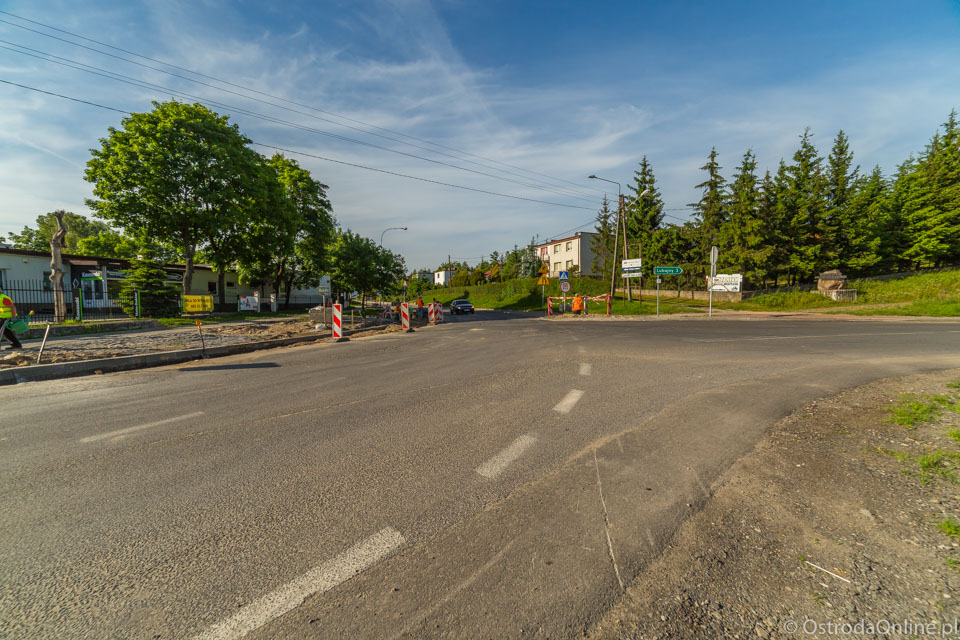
497 476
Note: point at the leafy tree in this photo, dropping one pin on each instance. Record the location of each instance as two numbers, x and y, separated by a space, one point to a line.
38 239
745 235
110 244
605 229
460 279
358 264
157 298
180 173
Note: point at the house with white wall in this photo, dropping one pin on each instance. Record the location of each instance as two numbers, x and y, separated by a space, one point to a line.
563 254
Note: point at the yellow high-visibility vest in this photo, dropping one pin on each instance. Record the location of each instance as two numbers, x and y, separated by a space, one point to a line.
6 306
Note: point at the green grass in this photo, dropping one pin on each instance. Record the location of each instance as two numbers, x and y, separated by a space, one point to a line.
950 527
954 434
928 466
948 308
912 410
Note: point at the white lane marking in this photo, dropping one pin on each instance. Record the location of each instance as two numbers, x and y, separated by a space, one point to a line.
495 465
139 427
322 578
585 368
569 401
826 335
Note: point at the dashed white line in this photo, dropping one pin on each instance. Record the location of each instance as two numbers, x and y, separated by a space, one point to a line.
328 575
585 368
569 401
495 465
139 427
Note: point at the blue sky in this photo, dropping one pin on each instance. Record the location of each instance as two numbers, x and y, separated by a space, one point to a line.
563 89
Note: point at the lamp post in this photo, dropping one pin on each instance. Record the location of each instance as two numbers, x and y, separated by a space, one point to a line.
616 237
390 229
381 245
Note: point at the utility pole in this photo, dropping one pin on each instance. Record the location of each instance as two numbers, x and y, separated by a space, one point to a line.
626 251
616 240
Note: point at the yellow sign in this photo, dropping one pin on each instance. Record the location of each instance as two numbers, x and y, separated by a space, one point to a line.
544 280
197 304
544 269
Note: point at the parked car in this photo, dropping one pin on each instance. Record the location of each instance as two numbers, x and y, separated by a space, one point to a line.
461 306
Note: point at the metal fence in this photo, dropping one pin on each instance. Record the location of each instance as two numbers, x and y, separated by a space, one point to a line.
82 303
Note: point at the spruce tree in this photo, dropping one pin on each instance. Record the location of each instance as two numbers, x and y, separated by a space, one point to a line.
867 224
605 229
841 176
644 215
806 205
158 299
743 236
710 212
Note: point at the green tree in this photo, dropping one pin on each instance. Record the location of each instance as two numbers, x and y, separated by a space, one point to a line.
744 235
146 277
644 215
38 239
109 244
839 228
180 173
358 264
710 212
605 229
867 226
805 204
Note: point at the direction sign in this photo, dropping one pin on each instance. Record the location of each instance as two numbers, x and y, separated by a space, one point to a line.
564 275
667 271
544 269
564 286
543 281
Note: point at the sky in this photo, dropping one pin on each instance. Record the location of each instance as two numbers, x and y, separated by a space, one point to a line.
525 98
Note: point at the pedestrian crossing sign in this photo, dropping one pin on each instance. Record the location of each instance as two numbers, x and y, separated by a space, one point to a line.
564 275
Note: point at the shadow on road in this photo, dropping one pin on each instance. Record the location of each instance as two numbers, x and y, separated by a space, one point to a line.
224 367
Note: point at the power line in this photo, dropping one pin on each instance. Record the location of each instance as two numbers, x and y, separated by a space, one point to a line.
318 157
251 90
112 75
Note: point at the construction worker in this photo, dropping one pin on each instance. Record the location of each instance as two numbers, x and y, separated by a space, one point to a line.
577 304
421 312
8 311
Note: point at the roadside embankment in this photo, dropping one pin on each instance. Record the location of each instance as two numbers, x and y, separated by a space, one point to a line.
846 513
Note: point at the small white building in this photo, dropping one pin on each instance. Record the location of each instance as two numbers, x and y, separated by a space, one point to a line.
565 253
443 278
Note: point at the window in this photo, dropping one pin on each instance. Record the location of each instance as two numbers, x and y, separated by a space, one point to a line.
569 246
230 285
556 248
556 266
211 287
47 285
569 264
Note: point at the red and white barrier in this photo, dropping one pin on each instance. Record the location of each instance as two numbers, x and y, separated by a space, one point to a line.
431 313
439 313
586 299
549 306
337 321
405 315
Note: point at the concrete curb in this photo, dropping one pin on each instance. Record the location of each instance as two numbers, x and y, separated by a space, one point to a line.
58 370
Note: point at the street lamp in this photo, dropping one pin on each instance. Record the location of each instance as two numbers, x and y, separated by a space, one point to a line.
390 229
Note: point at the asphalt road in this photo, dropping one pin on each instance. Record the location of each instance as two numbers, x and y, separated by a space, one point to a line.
496 476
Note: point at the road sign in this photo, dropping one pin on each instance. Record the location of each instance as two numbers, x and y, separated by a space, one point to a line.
726 282
543 281
667 271
544 269
564 275
564 286
633 264
633 274
714 253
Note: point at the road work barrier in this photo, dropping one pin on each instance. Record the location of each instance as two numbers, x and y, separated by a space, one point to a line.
405 316
432 313
601 299
337 321
439 313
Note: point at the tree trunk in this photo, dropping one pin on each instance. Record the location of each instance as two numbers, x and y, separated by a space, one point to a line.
221 281
189 252
363 303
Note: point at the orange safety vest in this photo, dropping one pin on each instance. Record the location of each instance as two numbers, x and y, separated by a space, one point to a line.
420 303
578 304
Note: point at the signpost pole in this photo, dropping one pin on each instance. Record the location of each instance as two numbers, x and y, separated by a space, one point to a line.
658 296
714 252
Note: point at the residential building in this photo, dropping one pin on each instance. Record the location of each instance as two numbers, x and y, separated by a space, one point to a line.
563 254
443 278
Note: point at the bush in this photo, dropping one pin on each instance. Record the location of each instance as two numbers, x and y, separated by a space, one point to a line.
157 298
